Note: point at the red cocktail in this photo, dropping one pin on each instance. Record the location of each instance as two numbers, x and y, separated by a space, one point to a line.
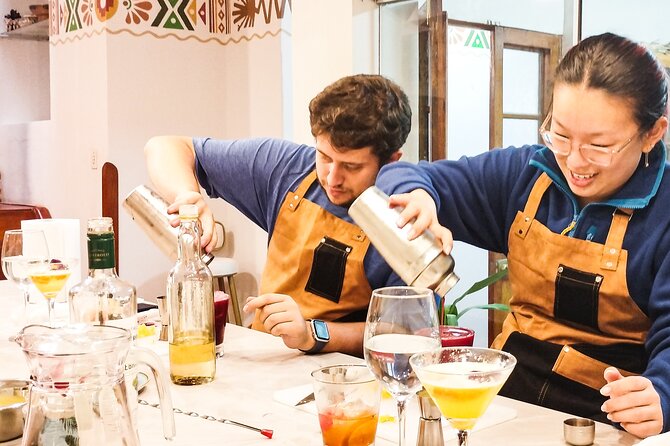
454 336
220 315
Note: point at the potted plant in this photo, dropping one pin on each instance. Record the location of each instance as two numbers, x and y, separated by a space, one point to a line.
451 333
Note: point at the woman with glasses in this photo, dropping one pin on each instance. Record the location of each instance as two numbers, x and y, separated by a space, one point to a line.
585 223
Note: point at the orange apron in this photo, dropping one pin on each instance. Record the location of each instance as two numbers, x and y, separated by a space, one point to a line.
571 313
317 259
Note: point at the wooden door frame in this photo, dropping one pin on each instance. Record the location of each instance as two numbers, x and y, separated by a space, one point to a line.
549 46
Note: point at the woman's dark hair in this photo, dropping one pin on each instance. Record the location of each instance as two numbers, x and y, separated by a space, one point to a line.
622 68
360 111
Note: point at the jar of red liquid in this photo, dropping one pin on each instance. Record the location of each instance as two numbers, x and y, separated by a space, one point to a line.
454 336
220 315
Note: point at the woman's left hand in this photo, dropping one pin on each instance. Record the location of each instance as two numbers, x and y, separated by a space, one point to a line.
633 402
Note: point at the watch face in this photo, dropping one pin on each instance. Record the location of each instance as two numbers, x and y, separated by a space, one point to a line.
320 330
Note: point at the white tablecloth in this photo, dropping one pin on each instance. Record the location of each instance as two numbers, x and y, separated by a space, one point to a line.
255 366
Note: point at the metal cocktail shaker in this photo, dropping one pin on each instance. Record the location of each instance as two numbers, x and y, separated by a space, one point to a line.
419 262
149 210
430 421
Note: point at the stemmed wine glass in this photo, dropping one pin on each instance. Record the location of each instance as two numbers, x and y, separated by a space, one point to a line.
463 381
49 277
401 321
20 249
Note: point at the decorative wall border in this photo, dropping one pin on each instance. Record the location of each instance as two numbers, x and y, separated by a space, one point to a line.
224 21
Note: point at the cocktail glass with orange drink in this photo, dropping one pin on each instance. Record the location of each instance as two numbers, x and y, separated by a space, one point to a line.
463 381
347 399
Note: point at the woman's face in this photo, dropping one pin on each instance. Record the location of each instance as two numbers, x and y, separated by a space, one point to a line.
590 116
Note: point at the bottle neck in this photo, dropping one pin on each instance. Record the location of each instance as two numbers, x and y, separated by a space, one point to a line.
188 246
101 255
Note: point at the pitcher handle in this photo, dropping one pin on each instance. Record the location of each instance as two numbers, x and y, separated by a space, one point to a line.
153 361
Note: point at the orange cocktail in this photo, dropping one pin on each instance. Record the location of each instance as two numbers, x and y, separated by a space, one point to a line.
340 429
347 400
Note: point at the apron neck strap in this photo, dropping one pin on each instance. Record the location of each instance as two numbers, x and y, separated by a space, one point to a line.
305 184
533 203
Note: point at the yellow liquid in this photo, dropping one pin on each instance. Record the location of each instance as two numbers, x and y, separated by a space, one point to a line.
192 360
461 400
462 407
50 283
8 400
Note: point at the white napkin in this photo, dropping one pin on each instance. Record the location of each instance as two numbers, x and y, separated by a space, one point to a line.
388 414
656 440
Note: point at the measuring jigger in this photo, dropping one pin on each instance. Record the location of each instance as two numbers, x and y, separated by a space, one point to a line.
419 262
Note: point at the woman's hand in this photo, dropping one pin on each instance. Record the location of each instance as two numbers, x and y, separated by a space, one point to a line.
208 238
633 402
281 316
419 209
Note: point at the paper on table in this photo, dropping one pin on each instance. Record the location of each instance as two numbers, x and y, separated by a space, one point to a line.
656 440
389 430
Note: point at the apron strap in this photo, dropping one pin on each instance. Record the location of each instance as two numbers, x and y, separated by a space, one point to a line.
300 192
612 248
533 203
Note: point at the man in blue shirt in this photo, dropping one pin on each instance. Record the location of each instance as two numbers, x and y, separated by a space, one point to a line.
320 269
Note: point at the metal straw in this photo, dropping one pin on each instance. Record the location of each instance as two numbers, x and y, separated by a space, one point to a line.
265 432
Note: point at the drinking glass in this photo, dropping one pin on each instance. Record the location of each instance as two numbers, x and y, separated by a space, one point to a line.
401 321
20 249
463 381
49 277
347 400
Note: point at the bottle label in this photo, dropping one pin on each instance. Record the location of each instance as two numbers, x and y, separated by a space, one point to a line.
101 250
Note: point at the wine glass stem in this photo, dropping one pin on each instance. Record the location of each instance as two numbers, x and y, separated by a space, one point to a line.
50 302
462 438
401 422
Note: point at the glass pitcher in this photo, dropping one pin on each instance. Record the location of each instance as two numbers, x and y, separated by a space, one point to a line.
78 395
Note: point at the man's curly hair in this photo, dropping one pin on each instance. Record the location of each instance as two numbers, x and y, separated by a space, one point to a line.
360 111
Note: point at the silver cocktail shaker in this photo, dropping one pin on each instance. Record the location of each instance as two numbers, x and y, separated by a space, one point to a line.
430 421
149 210
419 262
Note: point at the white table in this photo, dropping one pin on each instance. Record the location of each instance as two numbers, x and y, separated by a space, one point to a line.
254 366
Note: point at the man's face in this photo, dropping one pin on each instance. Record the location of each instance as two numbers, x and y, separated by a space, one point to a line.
343 173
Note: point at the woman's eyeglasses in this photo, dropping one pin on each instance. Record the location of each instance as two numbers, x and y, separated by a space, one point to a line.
560 145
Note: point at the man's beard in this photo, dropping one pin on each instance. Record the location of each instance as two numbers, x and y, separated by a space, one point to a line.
344 205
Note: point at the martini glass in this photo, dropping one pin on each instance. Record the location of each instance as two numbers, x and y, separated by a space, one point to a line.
49 278
463 381
401 321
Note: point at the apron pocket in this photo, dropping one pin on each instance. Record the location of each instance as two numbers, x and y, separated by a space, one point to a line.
328 267
575 365
576 299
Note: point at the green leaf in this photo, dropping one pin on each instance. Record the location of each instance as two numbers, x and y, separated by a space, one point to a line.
501 307
481 285
452 319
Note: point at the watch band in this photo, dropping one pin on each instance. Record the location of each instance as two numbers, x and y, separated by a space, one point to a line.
319 342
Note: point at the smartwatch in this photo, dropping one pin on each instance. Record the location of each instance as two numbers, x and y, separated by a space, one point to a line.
320 334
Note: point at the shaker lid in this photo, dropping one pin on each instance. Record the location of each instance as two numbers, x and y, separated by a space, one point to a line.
188 211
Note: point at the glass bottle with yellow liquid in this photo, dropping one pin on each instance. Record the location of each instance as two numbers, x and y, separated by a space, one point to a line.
191 307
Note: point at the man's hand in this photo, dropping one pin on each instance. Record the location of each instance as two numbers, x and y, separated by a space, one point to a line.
633 402
281 316
208 237
420 210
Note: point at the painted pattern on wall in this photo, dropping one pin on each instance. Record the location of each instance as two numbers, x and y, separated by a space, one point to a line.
225 21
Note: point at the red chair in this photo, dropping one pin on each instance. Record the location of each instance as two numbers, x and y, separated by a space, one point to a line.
11 215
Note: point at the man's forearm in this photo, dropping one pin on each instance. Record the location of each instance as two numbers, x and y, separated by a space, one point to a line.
346 337
171 165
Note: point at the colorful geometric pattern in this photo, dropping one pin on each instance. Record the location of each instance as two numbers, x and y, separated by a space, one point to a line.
204 20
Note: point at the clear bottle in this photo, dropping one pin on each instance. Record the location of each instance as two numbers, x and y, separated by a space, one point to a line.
190 297
102 297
